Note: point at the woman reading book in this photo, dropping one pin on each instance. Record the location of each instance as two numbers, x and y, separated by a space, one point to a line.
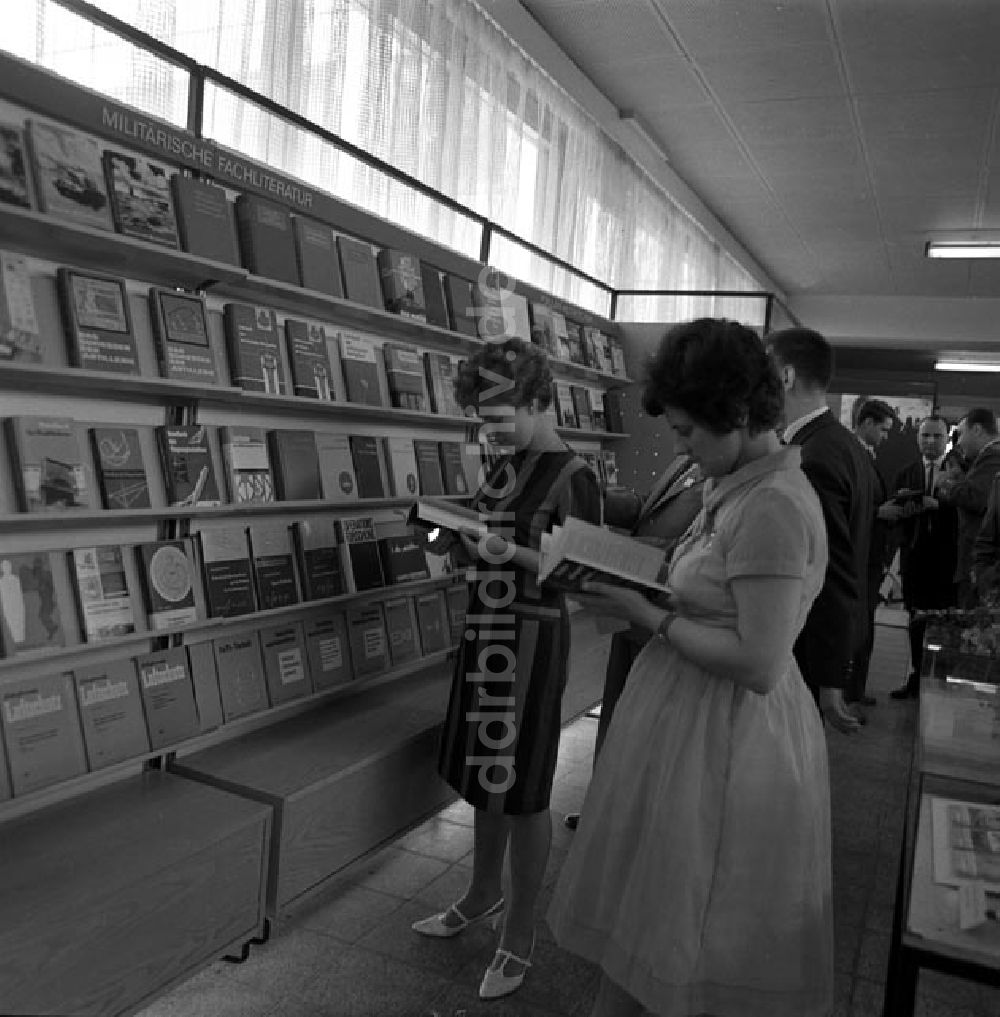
501 732
699 879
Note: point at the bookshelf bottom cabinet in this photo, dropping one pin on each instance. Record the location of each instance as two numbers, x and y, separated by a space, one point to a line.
111 898
341 779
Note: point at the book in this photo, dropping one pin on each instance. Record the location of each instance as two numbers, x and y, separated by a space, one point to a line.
47 463
358 541
404 370
432 513
205 679
461 307
98 323
294 464
614 408
403 559
267 245
611 475
435 301
432 621
102 594
574 333
367 465
401 630
167 696
204 219
358 359
362 283
457 601
966 843
14 186
428 467
253 348
617 356
565 407
240 670
111 716
318 557
69 177
582 407
472 464
286 665
327 651
491 322
168 575
402 283
560 334
41 730
226 573
273 568
316 257
516 317
28 605
141 204
441 376
247 464
401 465
367 636
336 467
543 332
187 465
20 336
598 355
309 360
597 418
180 327
121 473
452 468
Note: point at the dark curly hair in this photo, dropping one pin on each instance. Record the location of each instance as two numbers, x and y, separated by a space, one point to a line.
718 372
522 366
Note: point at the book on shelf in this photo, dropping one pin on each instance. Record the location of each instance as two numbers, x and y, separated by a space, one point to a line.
141 203
338 481
316 257
187 465
29 607
582 409
309 360
543 332
359 555
428 467
614 407
294 464
41 730
517 321
457 601
362 283
273 566
403 558
318 556
434 513
565 407
491 322
441 375
121 472
103 598
402 283
452 468
240 671
595 346
367 636
253 348
204 219
180 327
574 332
286 665
401 465
401 630
327 650
267 245
432 621
560 332
47 461
435 301
472 464
205 679
966 843
404 371
247 465
617 356
167 696
168 575
69 177
461 307
226 573
20 336
14 186
98 322
610 461
111 716
368 466
360 364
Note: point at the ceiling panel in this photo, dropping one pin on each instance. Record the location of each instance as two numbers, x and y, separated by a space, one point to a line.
799 72
652 84
919 214
798 122
923 114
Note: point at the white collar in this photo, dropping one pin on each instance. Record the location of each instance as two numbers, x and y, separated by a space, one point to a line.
795 426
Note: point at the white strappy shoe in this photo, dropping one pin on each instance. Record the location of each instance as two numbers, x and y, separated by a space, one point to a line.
495 983
437 927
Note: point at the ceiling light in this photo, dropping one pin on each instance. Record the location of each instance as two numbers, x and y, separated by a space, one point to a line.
982 366
962 249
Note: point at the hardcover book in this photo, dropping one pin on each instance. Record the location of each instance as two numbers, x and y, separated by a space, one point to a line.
402 283
574 334
369 645
461 307
360 270
286 666
204 220
565 409
318 557
266 241
69 178
401 630
102 594
20 338
614 404
457 601
295 464
111 717
360 364
14 186
403 559
168 576
597 349
168 696
582 407
401 463
274 572
336 467
180 326
362 565
41 731
242 688
435 302
327 651
367 466
491 322
561 333
452 468
204 677
121 473
140 198
543 332
187 465
225 566
47 463
404 371
432 621
441 376
428 467
253 348
617 356
98 323
309 359
28 605
316 256
247 464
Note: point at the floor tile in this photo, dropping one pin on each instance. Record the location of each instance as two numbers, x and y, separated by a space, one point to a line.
400 873
349 914
461 999
213 995
439 838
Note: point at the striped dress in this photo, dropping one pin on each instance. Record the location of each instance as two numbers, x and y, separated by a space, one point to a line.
501 732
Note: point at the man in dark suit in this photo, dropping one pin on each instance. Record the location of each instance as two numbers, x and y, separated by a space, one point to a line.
841 473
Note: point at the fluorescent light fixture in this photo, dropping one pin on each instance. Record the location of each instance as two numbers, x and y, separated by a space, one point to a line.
978 366
962 249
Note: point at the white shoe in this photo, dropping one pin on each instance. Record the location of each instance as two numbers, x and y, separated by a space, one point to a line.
436 926
495 983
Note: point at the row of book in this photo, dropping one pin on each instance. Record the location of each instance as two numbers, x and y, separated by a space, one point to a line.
75 179
59 726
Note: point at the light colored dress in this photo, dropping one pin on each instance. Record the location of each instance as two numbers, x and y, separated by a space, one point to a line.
699 877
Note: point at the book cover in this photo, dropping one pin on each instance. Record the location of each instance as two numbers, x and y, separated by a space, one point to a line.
286 665
309 359
614 405
360 364
48 468
432 621
98 323
274 571
226 573
491 322
428 467
435 302
102 594
41 730
28 605
596 349
516 317
318 557
404 370
461 306
582 407
204 677
452 468
433 513
14 186
187 465
240 670
369 645
121 473
167 696
327 651
402 283
403 558
565 410
336 467
617 356
441 374
561 334
316 257
247 464
401 465
20 336
294 464
111 717
610 461
401 630
367 465
543 331
574 332
204 219
362 283
359 543
69 177
266 241
253 348
141 203
168 576
180 327
457 601
472 464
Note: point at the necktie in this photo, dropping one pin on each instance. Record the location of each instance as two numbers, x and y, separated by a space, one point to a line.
930 478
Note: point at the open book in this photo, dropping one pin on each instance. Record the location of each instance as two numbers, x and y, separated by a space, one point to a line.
434 512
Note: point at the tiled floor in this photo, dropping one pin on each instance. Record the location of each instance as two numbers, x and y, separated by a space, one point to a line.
350 952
